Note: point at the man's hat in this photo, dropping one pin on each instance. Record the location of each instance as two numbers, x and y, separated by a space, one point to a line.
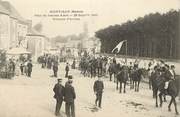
172 66
59 79
99 76
166 65
163 69
155 67
70 77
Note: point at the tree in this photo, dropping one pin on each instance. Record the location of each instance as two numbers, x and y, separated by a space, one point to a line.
145 36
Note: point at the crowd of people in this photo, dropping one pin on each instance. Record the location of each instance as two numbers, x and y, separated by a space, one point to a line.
52 62
18 67
47 61
26 67
163 73
91 66
101 67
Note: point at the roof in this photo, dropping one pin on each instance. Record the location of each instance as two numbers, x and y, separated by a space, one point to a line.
9 8
33 32
47 38
13 12
60 39
3 10
17 51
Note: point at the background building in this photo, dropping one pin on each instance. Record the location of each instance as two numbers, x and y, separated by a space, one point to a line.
13 28
36 44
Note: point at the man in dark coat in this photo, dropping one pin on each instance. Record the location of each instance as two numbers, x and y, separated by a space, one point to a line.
98 90
69 97
67 70
59 95
99 66
55 68
13 66
22 68
168 77
29 68
111 70
74 64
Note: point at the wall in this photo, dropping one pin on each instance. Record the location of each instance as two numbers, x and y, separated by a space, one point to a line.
4 31
35 46
21 32
13 32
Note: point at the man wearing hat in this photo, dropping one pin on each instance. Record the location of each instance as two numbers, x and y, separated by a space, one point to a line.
59 95
29 68
67 70
167 75
55 68
98 90
69 98
172 71
70 78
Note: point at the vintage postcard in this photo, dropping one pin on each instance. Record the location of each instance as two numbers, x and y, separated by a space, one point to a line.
89 58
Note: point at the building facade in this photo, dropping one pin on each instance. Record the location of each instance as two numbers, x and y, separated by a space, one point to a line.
13 28
36 44
4 28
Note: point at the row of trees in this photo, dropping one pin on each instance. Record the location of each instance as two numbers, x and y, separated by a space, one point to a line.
154 35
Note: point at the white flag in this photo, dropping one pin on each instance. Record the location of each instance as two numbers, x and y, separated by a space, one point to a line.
119 46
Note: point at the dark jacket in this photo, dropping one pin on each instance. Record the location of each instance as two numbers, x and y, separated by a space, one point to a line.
167 75
111 69
69 94
59 91
67 68
29 65
98 86
55 67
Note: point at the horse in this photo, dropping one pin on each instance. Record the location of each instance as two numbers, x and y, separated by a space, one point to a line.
122 77
149 73
172 90
130 77
112 70
136 78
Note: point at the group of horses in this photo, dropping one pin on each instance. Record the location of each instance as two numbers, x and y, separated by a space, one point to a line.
134 75
91 66
123 73
173 91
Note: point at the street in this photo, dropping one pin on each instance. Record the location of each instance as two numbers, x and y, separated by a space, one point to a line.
33 97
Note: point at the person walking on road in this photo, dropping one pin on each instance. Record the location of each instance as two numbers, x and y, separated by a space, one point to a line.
22 68
67 70
74 64
98 90
59 96
69 97
29 68
25 67
55 68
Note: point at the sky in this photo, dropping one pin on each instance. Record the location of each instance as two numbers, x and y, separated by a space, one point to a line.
108 12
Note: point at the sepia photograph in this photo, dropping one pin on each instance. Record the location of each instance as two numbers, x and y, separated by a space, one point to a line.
89 58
